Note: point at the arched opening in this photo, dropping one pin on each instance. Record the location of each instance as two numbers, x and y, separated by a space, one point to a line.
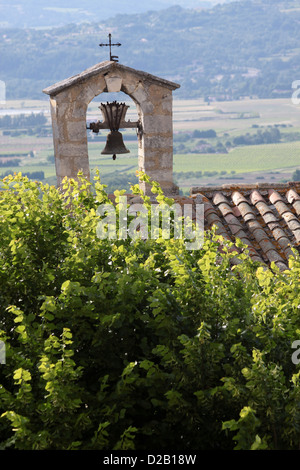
70 100
118 173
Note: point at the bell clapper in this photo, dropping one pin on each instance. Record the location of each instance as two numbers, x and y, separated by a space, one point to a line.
114 157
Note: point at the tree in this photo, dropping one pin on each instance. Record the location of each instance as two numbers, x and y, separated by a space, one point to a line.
296 175
121 343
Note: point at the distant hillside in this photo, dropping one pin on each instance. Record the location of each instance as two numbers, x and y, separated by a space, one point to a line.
236 49
45 13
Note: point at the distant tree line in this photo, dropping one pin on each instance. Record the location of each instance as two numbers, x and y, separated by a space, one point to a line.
189 142
269 136
33 175
22 121
205 134
10 162
296 175
185 136
189 175
9 155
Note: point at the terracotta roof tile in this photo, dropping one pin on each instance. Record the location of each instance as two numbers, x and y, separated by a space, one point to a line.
294 199
265 216
233 223
272 222
287 213
292 196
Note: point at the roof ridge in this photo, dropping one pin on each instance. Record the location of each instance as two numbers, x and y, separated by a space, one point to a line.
246 186
102 67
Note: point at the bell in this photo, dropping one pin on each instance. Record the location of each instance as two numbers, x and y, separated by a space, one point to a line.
114 144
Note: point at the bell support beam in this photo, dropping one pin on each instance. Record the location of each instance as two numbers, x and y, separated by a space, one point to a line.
113 118
96 126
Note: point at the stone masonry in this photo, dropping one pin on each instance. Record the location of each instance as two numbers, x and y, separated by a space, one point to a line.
69 100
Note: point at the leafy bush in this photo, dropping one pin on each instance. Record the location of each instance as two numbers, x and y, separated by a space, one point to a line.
138 344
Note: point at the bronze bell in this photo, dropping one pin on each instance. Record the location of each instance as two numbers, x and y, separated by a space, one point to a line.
114 144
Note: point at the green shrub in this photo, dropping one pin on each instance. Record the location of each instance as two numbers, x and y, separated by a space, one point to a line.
123 344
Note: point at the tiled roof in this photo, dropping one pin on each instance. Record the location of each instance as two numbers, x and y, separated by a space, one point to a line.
266 217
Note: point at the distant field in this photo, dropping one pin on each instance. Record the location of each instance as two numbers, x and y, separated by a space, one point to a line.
232 116
25 105
228 119
243 159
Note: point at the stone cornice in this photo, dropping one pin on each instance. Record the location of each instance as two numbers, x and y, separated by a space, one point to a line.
101 69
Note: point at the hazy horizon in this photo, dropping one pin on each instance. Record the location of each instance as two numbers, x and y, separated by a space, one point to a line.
45 14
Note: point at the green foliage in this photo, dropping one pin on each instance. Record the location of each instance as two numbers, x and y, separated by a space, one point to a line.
138 344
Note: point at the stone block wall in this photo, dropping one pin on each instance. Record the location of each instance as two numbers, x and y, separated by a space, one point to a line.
69 103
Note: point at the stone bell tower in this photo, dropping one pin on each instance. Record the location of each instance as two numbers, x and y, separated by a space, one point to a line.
69 100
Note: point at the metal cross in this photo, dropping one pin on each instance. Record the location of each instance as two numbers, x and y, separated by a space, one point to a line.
111 57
